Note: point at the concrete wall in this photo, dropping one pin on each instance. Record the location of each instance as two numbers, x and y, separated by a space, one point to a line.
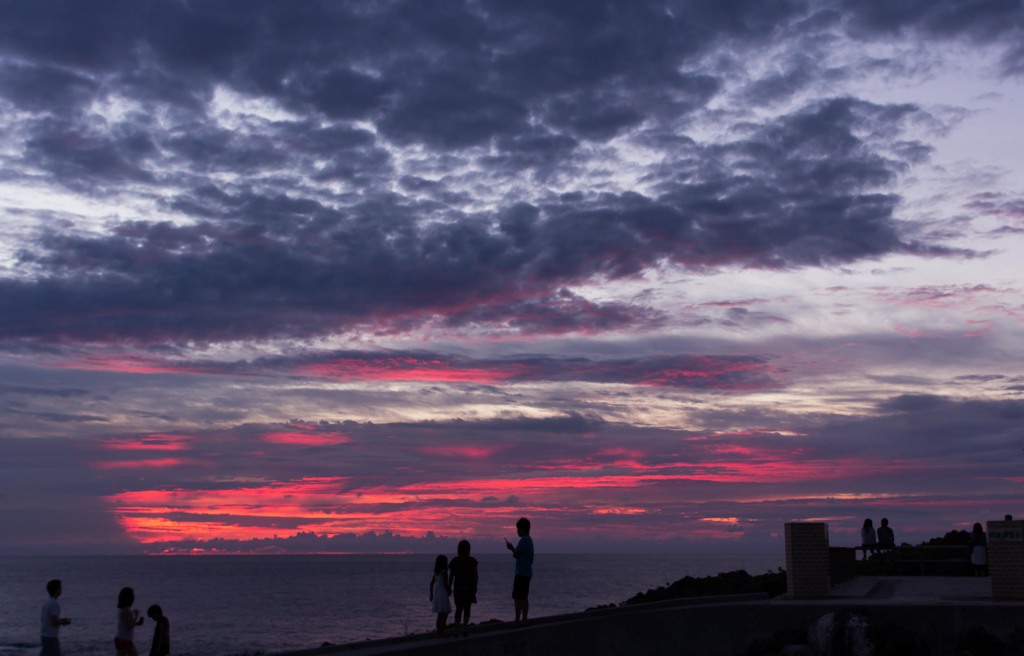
1006 559
696 630
807 560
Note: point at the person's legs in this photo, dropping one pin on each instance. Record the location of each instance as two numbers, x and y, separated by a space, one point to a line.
521 595
517 597
442 620
49 647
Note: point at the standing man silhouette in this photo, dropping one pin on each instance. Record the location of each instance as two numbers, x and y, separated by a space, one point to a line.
51 621
523 553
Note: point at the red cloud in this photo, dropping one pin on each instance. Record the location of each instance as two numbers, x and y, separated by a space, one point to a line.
306 439
128 364
152 463
462 451
330 506
151 442
409 369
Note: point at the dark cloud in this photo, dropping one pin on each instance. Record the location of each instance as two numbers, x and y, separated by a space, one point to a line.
498 91
526 178
45 88
55 500
89 162
796 192
60 392
60 417
913 403
451 114
983 21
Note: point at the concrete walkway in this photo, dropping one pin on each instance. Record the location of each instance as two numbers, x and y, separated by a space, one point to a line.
915 589
938 607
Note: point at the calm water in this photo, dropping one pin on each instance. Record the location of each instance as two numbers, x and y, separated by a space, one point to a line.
227 605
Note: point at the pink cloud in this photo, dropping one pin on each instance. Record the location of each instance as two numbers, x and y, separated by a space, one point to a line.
306 439
151 442
128 364
151 463
462 451
409 369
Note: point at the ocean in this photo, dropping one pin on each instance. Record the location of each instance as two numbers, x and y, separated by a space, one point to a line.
233 605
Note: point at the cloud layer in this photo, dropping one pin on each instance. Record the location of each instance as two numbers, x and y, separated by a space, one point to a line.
701 250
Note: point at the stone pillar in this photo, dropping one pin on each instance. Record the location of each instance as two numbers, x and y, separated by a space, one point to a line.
1006 559
807 561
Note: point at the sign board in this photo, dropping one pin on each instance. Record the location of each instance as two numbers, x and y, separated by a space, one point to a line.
1006 533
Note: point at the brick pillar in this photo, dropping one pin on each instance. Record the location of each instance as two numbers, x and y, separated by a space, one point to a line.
1006 559
807 562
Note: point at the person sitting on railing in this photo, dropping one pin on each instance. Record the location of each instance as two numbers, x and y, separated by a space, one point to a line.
886 537
978 547
868 540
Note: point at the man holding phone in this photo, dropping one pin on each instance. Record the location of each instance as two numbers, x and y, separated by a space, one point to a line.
523 553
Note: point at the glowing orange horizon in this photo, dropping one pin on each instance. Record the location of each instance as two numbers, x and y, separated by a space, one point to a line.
331 505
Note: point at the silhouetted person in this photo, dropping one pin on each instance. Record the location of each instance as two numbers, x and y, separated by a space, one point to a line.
886 537
463 581
439 591
127 619
161 645
523 553
868 540
51 621
979 550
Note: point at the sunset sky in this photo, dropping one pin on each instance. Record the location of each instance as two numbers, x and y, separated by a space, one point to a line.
377 276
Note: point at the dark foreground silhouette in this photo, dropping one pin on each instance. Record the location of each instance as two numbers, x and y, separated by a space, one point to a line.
725 583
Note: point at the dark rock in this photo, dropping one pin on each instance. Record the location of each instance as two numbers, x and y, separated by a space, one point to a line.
892 640
976 641
726 583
